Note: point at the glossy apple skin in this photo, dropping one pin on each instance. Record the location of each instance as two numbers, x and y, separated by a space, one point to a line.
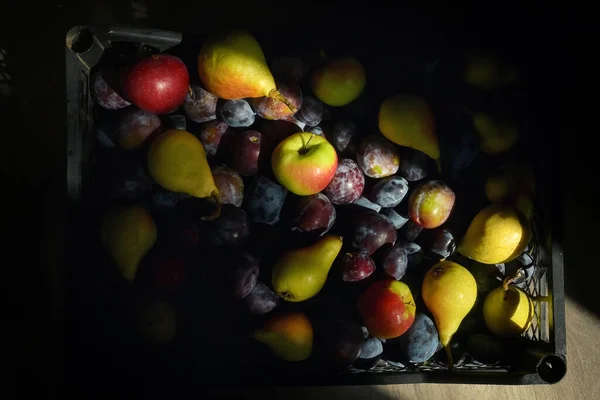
387 308
304 172
157 84
430 204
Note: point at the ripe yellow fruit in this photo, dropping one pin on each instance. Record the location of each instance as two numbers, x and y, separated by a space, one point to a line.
508 313
498 233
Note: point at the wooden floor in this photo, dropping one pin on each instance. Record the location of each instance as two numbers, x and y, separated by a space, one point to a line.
581 382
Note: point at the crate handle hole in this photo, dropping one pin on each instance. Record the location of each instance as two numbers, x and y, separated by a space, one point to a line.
79 39
552 368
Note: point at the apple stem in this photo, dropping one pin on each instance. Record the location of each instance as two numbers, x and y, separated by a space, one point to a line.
304 148
450 358
274 94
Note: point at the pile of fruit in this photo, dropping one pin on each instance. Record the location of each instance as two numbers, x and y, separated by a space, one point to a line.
246 215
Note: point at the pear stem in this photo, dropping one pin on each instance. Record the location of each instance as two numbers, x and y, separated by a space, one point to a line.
450 358
191 92
216 197
274 94
511 279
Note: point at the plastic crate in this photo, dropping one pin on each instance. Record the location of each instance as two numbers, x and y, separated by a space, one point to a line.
542 348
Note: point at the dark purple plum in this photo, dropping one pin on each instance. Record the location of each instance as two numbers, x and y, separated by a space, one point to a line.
175 121
231 228
354 266
240 275
230 185
370 354
413 252
126 181
341 134
104 135
264 200
200 105
410 231
370 231
261 300
366 203
409 247
337 343
311 112
105 96
372 347
210 134
414 165
347 184
397 220
377 157
288 69
237 113
389 192
394 262
420 342
164 200
317 130
313 215
440 242
245 152
135 126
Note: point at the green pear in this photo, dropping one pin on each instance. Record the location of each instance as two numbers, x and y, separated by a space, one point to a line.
300 274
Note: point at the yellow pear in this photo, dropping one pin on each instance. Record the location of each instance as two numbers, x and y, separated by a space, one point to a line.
289 336
495 134
177 162
128 234
508 313
449 292
232 66
486 73
408 121
499 233
300 274
509 181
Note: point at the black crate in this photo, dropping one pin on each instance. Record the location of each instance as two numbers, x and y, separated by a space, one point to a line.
542 348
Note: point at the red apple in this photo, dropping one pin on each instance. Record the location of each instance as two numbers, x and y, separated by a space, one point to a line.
387 308
157 84
304 163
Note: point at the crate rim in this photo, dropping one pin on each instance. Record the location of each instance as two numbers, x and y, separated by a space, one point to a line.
79 62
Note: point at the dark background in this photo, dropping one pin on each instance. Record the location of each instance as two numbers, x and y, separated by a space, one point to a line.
32 130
